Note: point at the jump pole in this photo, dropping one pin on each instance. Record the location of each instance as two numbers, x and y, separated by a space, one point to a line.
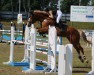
52 42
51 65
32 49
32 68
26 44
11 46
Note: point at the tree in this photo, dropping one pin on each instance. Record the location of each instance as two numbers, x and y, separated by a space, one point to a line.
84 2
24 6
36 5
27 5
92 2
5 5
66 4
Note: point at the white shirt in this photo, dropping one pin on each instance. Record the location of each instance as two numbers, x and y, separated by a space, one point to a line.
59 12
59 15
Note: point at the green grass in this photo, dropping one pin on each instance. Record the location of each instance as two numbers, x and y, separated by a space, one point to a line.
78 67
82 25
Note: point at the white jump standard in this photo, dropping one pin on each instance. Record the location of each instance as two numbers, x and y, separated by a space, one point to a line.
65 59
11 57
30 61
51 65
52 42
32 51
65 55
92 66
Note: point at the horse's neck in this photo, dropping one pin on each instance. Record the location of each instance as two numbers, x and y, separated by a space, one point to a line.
41 14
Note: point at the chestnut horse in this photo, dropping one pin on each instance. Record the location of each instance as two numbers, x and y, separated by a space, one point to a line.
69 32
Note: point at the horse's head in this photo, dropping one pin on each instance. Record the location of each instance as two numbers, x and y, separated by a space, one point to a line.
37 16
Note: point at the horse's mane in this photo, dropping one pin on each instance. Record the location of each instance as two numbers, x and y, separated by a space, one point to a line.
41 13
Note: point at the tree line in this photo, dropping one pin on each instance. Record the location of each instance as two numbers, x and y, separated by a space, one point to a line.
27 5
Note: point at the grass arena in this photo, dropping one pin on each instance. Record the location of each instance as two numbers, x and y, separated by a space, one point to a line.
78 67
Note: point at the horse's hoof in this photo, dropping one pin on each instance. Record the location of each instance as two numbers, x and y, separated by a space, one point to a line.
86 61
82 60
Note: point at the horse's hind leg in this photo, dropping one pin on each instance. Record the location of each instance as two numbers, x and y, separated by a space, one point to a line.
75 41
83 55
80 49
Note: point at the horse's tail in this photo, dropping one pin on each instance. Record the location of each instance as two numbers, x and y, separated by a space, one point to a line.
85 39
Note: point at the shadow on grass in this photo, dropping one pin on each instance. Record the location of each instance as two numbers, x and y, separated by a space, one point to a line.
82 67
79 71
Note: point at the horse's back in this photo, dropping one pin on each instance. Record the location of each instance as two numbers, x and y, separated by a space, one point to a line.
74 32
68 28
